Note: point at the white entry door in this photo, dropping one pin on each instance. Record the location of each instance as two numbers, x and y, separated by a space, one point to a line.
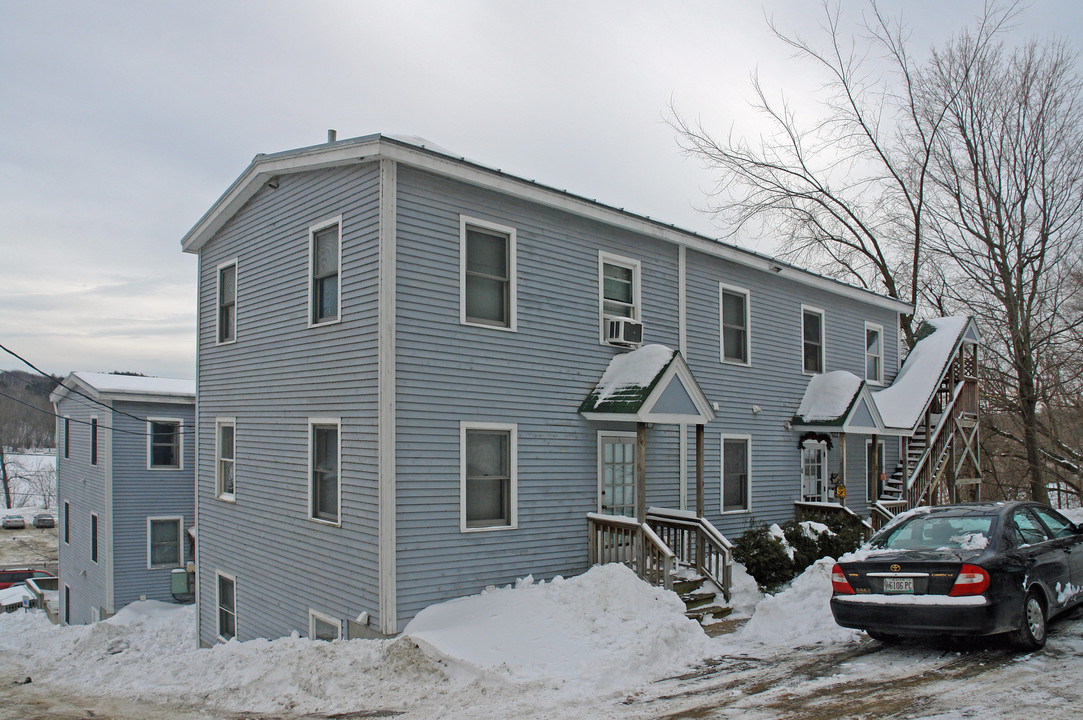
617 473
814 472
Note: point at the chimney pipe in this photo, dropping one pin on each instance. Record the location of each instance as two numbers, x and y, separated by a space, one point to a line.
332 135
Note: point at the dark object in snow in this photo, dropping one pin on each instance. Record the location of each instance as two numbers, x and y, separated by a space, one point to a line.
25 681
974 569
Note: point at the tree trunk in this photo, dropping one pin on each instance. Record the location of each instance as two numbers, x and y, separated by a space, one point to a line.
4 477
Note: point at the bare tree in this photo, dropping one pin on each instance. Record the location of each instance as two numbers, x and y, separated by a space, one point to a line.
1008 215
850 187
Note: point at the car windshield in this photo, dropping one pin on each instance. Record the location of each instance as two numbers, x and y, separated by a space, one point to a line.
936 532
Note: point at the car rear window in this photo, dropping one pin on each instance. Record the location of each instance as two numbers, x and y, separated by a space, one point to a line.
935 532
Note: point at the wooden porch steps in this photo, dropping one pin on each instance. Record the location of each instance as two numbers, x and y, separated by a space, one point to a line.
700 597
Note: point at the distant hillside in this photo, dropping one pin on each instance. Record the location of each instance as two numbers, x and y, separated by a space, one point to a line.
22 426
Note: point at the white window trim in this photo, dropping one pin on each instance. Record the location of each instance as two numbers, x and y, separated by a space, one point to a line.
312 423
218 301
722 473
218 423
602 435
513 471
314 615
823 339
94 546
865 353
722 289
95 429
637 297
180 443
179 520
464 221
218 604
312 230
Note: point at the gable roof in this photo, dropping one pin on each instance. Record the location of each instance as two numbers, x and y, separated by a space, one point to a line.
107 386
421 154
840 401
651 384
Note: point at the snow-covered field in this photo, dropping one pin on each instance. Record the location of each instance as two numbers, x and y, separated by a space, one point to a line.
600 645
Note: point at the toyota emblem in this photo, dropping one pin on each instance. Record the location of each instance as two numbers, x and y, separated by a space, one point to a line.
895 568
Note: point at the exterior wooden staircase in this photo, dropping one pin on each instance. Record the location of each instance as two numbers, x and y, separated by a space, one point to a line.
700 597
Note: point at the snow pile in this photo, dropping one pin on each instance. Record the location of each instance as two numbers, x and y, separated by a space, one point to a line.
136 384
970 541
901 404
799 614
598 633
828 396
744 592
632 371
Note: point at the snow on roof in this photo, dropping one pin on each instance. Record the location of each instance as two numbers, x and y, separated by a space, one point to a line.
629 378
902 403
828 397
136 385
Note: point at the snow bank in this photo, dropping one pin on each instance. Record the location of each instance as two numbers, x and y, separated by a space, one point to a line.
744 592
598 633
828 396
799 614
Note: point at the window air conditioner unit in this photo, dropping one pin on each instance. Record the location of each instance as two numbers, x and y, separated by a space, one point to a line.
623 331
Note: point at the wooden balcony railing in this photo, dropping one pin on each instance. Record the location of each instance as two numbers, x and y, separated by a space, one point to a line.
696 543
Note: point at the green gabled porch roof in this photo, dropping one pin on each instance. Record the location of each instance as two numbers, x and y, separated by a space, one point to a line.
651 384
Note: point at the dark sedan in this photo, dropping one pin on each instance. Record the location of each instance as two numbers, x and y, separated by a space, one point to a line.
976 569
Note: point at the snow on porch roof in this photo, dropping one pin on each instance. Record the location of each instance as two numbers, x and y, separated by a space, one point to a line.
838 401
651 384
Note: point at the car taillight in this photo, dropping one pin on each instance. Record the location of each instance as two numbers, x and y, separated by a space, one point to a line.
839 583
972 580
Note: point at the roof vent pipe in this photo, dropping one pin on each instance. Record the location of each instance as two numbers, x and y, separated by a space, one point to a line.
332 135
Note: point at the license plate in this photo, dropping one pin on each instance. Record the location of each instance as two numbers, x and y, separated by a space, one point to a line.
899 585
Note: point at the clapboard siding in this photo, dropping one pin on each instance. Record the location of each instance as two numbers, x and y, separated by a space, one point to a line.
139 493
277 374
536 378
82 486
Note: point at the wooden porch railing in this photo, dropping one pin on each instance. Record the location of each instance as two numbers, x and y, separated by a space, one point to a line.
614 538
696 543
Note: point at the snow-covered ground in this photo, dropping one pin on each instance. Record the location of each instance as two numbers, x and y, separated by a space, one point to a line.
600 645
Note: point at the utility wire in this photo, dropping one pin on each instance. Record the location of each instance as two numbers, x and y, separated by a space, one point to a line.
88 422
44 374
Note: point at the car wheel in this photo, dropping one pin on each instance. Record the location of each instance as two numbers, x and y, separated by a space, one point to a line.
886 638
1031 633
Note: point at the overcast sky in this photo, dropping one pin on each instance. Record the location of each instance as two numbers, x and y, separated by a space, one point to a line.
122 122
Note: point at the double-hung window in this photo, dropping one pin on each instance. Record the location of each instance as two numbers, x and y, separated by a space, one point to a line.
164 542
227 302
325 259
874 353
487 274
812 339
618 290
93 537
225 458
227 606
164 444
93 441
324 470
488 476
323 627
734 310
735 473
